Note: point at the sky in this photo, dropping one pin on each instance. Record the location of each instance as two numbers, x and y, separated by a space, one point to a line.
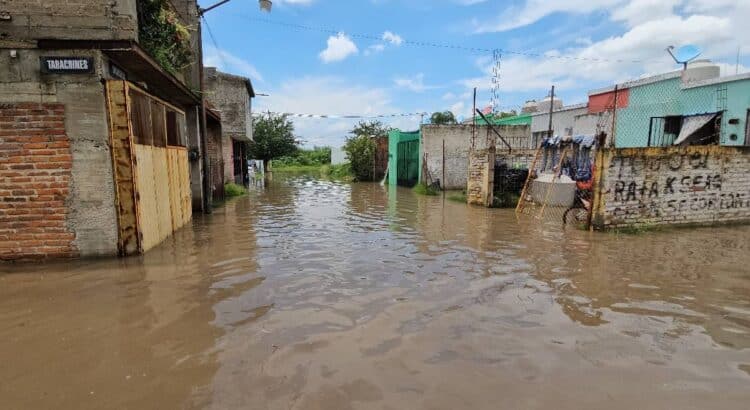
382 57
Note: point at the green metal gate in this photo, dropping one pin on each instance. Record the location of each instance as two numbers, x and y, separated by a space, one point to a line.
408 163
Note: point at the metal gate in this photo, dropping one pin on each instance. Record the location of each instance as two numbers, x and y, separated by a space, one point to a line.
407 167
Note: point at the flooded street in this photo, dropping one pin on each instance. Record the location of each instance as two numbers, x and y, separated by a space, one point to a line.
317 295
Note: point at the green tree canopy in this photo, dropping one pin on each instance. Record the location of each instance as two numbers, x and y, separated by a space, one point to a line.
273 138
441 118
371 129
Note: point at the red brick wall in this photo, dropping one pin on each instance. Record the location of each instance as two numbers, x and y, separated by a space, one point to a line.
34 182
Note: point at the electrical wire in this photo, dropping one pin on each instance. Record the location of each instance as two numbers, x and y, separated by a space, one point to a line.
215 43
480 50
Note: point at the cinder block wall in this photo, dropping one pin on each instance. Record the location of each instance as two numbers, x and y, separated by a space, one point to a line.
673 185
35 179
228 94
69 20
457 142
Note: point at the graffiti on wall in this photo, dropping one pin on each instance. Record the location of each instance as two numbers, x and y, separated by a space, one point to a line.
686 185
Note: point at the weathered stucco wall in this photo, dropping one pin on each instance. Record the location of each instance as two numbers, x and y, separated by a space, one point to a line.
69 20
457 143
92 197
685 185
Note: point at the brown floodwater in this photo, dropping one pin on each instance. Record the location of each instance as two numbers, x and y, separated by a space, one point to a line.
316 295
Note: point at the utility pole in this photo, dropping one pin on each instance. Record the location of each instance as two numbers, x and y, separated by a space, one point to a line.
207 202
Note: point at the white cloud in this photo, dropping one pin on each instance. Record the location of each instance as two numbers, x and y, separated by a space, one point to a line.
650 28
534 10
415 83
373 49
392 38
339 48
331 95
229 63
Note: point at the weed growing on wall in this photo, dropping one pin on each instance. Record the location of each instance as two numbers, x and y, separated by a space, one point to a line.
163 36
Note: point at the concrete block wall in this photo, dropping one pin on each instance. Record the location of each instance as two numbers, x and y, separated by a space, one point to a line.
69 19
91 201
35 183
674 185
457 144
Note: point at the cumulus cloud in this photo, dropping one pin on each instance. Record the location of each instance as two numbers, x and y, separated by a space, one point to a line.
339 47
414 83
716 26
392 38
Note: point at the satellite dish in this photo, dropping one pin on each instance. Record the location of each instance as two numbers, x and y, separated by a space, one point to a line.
684 54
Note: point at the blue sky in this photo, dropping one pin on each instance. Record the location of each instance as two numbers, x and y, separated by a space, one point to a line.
315 71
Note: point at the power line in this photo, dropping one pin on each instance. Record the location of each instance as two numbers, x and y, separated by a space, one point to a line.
480 50
215 43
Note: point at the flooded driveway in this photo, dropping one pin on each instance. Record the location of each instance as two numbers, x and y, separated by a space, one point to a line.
318 295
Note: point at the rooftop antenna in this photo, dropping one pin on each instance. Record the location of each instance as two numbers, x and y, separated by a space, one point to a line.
684 54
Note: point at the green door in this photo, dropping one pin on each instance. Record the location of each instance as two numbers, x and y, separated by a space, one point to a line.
407 166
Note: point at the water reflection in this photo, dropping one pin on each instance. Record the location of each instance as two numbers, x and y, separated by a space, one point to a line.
313 294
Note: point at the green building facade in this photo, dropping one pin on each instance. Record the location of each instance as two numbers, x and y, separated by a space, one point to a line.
652 107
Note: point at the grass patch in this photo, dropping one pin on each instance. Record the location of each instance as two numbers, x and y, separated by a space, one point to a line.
232 190
310 169
423 189
457 197
339 172
506 200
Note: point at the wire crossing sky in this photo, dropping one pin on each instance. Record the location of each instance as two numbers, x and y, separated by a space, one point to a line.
341 59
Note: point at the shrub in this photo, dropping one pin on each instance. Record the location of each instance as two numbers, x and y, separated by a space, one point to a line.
232 190
361 153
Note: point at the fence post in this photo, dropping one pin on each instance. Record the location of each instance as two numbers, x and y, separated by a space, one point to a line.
614 118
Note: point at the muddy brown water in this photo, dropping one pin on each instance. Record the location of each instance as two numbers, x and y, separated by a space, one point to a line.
317 295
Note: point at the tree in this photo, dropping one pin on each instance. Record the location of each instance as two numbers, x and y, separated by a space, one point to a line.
273 138
443 118
361 153
371 129
504 114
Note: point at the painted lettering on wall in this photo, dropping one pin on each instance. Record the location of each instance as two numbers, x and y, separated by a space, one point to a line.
677 185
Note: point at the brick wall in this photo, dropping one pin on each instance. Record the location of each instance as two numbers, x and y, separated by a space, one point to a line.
481 172
672 185
34 182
